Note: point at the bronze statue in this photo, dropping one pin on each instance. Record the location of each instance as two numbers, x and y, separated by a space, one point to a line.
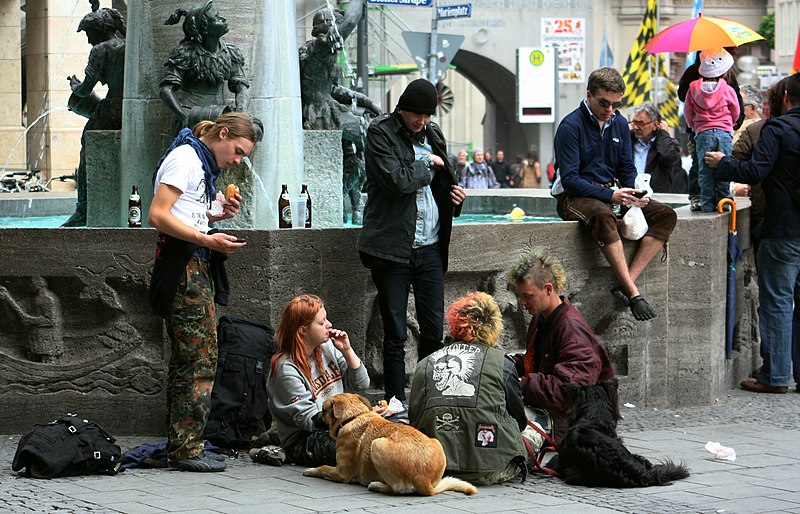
199 66
327 105
105 31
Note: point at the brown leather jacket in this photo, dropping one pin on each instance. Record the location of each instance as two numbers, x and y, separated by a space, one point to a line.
570 353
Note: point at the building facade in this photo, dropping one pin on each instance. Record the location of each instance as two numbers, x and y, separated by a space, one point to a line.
43 47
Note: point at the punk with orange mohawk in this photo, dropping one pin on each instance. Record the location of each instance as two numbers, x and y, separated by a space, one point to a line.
475 317
469 391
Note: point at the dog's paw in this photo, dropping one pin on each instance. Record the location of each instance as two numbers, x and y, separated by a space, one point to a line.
379 487
310 472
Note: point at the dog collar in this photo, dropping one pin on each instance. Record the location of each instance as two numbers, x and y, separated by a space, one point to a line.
344 423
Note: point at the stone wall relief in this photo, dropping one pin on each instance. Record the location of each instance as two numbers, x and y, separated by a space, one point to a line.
89 331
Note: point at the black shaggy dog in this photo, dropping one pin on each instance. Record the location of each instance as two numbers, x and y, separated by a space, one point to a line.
592 454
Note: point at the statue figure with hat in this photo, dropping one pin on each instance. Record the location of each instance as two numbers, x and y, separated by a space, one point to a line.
199 67
327 105
105 30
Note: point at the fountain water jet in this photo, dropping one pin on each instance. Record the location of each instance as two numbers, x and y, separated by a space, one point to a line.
25 133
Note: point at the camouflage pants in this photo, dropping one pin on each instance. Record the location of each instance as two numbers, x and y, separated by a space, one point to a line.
192 331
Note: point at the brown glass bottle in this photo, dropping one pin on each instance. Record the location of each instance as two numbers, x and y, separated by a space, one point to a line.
284 211
135 208
304 193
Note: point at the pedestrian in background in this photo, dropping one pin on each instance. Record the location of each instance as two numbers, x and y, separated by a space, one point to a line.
479 174
775 164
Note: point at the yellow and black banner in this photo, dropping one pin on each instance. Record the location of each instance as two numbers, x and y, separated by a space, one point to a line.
641 67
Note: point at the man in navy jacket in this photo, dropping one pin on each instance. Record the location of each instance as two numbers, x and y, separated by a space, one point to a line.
593 157
774 164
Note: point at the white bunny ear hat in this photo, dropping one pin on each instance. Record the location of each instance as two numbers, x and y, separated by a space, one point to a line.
715 62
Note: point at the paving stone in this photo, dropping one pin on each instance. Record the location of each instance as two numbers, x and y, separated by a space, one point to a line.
764 478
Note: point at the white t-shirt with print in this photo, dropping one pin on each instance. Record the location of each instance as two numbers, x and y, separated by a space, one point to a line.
183 169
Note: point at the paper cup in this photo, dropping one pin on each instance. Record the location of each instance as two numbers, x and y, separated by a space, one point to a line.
298 206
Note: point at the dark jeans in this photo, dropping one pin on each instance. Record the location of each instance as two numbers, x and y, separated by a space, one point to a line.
711 189
393 280
778 267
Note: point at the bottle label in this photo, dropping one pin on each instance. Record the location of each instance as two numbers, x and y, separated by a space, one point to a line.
285 196
135 214
286 214
135 198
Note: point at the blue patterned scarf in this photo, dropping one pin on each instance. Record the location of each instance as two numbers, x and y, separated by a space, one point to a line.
206 157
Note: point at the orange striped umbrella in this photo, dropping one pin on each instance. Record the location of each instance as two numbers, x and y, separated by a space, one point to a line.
701 33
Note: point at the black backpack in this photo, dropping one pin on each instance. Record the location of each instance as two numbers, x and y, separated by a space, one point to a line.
65 447
239 408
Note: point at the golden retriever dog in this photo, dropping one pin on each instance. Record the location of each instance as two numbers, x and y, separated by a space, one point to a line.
390 458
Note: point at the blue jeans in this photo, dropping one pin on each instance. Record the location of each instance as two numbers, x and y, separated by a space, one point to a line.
393 280
712 191
778 266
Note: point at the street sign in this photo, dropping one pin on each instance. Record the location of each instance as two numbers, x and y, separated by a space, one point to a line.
419 44
536 81
414 3
454 11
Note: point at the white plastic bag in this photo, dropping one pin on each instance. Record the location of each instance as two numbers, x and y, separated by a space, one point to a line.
721 452
634 226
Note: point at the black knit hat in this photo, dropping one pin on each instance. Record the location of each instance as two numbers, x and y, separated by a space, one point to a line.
420 97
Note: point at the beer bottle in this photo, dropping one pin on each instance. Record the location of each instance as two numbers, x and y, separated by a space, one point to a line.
304 194
135 208
284 211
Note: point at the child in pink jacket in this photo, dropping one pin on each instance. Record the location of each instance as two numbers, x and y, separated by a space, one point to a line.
711 109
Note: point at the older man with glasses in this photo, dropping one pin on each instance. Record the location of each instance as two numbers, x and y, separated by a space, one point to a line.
595 171
655 152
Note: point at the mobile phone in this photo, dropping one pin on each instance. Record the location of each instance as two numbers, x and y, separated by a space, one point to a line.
240 241
639 194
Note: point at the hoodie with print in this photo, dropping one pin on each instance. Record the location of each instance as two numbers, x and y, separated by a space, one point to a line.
709 107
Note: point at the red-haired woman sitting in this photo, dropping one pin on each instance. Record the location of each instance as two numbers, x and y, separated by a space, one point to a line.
313 363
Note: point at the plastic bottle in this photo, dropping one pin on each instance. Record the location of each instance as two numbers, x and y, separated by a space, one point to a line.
304 193
615 207
135 208
284 210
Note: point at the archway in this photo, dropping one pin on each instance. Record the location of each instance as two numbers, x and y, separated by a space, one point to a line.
498 85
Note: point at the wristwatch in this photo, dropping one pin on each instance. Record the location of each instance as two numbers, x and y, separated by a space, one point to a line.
428 162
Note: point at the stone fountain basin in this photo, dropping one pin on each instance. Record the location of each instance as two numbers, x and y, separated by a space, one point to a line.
116 354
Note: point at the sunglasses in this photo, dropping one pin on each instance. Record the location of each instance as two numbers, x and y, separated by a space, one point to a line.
605 104
640 124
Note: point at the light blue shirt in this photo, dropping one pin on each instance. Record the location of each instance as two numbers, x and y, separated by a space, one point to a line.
640 150
427 223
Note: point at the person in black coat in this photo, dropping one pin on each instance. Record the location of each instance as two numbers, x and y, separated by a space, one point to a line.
656 152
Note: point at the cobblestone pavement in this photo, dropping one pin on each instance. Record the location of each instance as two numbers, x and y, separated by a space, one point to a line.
763 429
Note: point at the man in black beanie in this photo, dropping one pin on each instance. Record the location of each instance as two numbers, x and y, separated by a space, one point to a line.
412 197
